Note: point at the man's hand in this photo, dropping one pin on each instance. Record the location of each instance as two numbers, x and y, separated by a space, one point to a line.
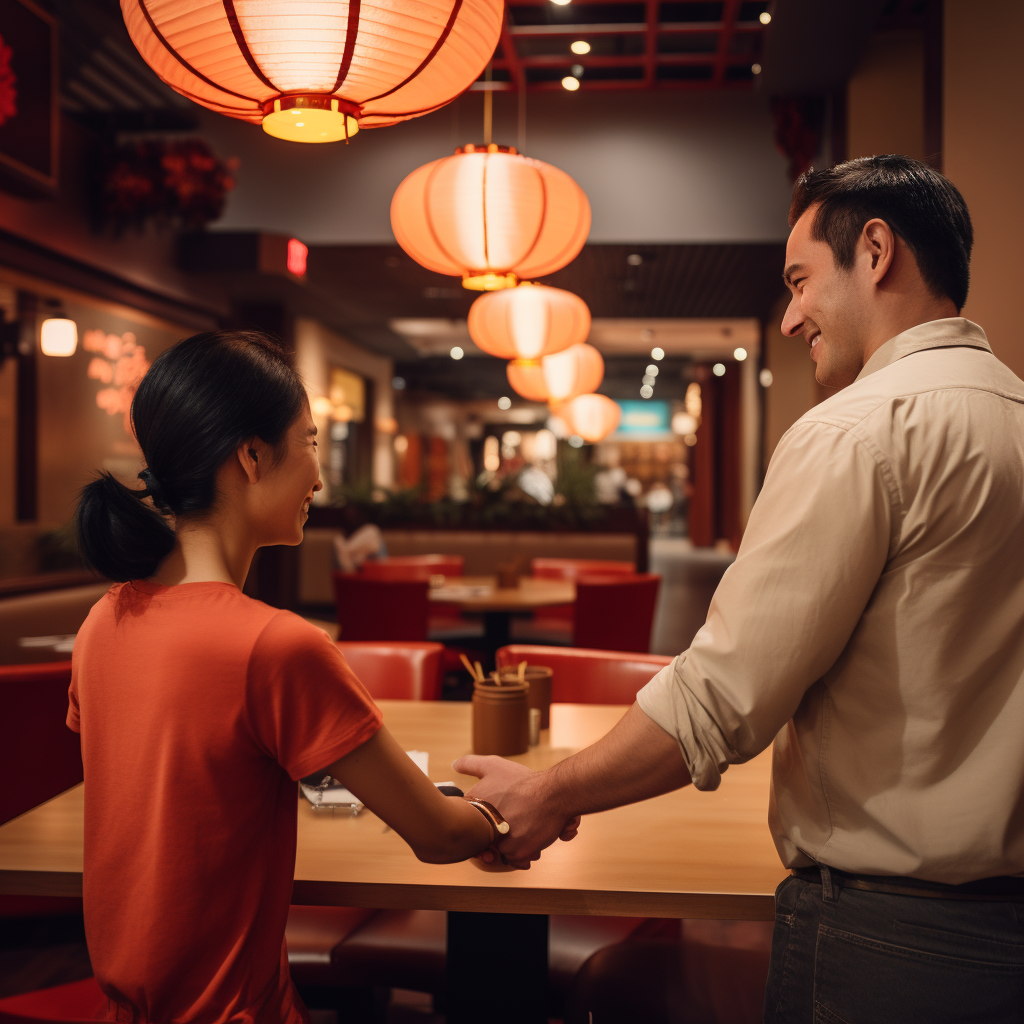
535 820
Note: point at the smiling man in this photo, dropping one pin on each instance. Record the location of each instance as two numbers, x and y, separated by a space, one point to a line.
872 626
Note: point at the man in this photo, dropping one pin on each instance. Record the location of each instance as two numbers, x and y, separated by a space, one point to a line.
872 625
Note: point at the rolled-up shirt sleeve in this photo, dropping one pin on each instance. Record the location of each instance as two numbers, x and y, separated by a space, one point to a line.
815 546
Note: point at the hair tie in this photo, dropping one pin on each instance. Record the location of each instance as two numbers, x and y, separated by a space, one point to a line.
153 489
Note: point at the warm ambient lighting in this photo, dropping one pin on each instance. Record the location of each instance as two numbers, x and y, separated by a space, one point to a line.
766 377
657 353
317 74
646 391
296 260
559 377
490 216
718 369
456 352
528 322
591 417
755 69
570 83
504 403
580 46
561 3
765 18
739 354
58 336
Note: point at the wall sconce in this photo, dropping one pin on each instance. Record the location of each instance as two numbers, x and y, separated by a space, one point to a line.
58 336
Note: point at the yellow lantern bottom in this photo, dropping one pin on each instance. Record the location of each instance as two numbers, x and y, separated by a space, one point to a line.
309 119
489 282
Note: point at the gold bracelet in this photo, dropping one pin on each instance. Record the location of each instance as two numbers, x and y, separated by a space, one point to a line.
490 812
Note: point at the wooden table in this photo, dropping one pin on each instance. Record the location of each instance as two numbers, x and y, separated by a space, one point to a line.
685 854
499 604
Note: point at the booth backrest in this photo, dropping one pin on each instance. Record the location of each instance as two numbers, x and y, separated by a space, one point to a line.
582 676
615 612
45 613
396 670
411 567
39 755
481 551
381 609
571 568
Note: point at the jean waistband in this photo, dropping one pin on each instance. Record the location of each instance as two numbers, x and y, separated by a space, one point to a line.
1003 888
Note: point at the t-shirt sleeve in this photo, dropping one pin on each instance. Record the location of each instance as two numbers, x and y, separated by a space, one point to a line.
305 706
74 718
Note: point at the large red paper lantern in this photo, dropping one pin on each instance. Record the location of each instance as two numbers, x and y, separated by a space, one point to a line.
490 216
592 417
558 377
528 322
316 70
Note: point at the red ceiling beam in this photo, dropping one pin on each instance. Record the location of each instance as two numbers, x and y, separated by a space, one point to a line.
591 60
508 49
650 40
692 28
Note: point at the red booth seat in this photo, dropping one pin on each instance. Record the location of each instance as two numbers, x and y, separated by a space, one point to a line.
412 567
370 609
75 1003
396 670
588 676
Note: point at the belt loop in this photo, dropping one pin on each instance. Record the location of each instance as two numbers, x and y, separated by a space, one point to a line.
829 888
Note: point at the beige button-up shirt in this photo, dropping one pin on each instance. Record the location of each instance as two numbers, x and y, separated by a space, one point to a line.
873 623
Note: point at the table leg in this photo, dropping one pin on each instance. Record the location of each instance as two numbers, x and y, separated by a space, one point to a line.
497 630
497 968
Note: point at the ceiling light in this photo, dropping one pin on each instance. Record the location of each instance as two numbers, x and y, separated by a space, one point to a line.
718 369
580 46
755 68
504 402
766 377
456 352
570 83
649 380
646 391
634 259
657 352
561 3
652 370
58 336
739 354
398 383
765 18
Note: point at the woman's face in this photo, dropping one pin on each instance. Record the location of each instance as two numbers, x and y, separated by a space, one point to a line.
287 488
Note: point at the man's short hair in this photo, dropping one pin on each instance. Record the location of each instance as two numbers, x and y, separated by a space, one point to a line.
921 206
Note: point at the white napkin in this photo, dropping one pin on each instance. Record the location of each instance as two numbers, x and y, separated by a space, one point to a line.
336 794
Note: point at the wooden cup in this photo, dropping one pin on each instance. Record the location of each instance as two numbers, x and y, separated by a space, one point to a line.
501 718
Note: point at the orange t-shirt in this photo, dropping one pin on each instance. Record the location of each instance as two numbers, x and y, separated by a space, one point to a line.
199 708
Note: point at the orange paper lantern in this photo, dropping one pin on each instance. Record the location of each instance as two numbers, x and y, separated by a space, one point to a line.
316 70
558 377
592 417
490 216
528 322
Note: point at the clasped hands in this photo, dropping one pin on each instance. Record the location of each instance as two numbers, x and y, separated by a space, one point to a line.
527 801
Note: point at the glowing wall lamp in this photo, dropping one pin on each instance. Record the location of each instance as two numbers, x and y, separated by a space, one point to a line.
296 259
58 336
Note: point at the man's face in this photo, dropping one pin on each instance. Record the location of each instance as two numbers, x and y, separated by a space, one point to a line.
827 306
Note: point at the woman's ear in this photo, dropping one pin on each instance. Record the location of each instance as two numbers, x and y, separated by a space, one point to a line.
249 459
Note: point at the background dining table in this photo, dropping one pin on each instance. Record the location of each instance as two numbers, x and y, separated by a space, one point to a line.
686 854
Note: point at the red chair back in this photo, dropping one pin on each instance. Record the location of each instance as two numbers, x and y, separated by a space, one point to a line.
615 613
396 670
412 567
588 676
571 568
39 755
79 1001
380 609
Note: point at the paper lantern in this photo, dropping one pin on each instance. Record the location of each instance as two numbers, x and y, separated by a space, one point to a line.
528 322
316 70
558 377
490 216
592 417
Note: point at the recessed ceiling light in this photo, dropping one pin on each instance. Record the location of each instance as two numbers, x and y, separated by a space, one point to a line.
570 83
718 369
561 3
739 354
764 17
504 403
657 352
755 68
580 46
646 391
766 377
652 370
634 259
456 352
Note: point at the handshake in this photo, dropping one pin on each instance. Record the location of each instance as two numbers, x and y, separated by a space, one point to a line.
533 805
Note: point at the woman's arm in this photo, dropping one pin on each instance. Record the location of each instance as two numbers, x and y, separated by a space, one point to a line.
440 829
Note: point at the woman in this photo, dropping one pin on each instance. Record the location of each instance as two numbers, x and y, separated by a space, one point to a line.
200 707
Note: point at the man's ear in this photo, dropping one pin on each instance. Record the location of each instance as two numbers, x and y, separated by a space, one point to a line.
879 246
248 453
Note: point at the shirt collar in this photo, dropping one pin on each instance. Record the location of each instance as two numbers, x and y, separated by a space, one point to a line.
952 332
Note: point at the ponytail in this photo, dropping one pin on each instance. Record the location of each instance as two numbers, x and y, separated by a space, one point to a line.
119 536
197 403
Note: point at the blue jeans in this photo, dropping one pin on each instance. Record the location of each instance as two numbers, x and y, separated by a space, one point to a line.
846 956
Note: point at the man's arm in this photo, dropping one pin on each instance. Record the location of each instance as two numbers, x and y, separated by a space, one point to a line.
635 761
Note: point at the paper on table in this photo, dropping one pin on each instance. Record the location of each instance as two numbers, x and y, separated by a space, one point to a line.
336 794
461 591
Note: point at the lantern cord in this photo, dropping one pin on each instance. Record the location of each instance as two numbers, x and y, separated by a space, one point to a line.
488 106
521 134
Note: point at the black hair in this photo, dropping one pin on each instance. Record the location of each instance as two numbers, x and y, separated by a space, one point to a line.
921 206
197 403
